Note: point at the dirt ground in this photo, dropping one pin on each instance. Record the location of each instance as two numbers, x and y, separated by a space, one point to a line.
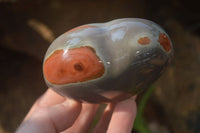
27 28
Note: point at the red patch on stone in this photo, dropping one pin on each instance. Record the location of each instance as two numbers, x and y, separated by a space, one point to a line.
144 41
164 42
76 65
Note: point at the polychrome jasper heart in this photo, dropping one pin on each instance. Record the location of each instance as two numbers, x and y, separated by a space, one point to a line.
107 62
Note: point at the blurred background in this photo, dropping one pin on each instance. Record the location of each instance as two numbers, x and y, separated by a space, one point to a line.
27 28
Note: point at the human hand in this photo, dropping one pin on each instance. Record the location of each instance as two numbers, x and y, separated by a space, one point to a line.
53 113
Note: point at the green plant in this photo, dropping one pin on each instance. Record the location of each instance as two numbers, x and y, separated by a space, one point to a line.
140 124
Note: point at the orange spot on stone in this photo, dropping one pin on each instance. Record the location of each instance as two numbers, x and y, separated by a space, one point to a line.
164 42
144 41
81 27
76 65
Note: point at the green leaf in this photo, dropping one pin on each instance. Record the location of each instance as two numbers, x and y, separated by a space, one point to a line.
140 124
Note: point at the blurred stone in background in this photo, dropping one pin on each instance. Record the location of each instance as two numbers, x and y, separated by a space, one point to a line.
28 27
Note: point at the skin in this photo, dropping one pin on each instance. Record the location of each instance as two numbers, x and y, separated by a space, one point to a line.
53 113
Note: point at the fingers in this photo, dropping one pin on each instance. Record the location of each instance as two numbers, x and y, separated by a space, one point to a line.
49 98
123 117
103 123
51 113
83 122
64 115
52 119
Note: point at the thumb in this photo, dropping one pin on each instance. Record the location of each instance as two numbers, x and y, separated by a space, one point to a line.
51 119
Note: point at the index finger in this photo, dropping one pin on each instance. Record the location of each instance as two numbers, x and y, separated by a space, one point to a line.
123 117
49 98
